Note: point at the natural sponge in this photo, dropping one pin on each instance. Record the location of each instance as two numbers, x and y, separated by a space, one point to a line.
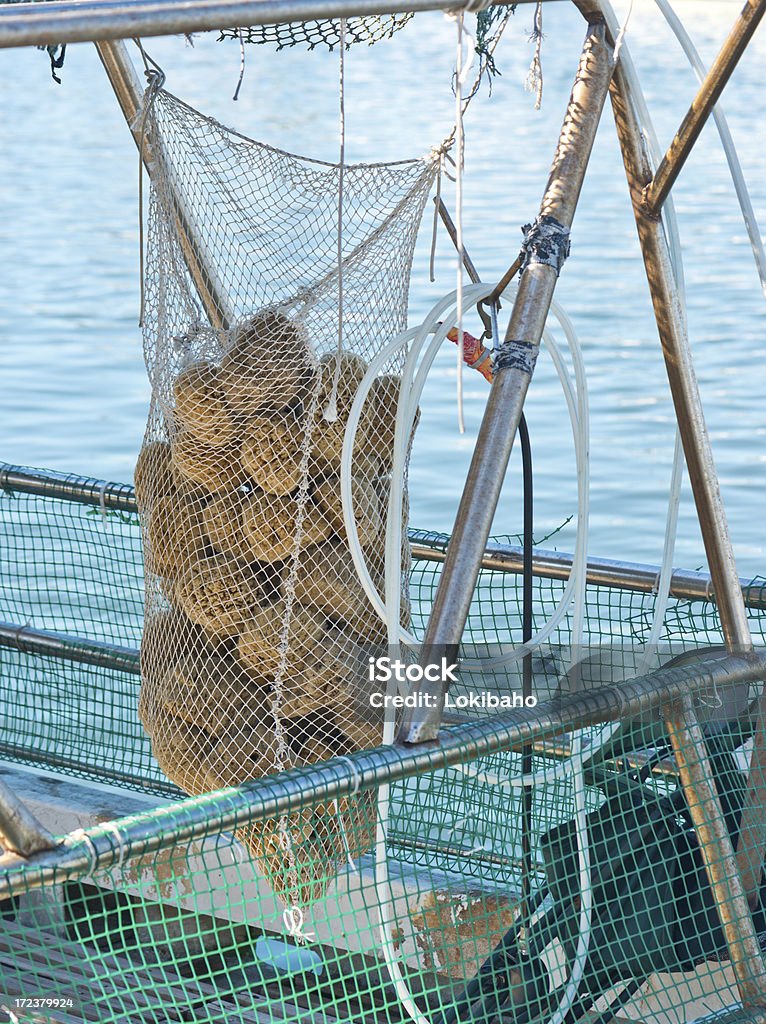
211 691
222 524
200 405
219 594
268 364
214 469
379 417
329 426
180 750
327 579
364 501
243 754
270 525
173 534
260 640
154 475
272 453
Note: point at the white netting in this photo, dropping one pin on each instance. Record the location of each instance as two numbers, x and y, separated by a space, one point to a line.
256 622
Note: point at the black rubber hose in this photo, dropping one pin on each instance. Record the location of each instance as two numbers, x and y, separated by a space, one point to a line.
527 795
490 987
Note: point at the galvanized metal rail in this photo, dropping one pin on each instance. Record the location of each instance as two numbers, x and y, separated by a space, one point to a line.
64 21
686 584
68 647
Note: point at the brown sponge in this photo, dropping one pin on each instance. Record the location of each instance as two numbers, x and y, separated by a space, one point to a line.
200 405
260 639
269 525
272 453
327 435
245 754
222 523
174 534
365 503
180 750
327 580
268 364
378 424
219 594
154 475
215 469
212 692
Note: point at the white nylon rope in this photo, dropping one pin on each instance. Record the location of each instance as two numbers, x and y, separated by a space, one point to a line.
331 411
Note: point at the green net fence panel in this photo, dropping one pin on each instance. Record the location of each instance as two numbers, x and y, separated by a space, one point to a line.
176 916
163 917
75 570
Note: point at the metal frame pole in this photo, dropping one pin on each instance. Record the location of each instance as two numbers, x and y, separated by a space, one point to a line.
715 841
715 846
127 88
682 378
85 21
68 647
658 189
699 460
514 365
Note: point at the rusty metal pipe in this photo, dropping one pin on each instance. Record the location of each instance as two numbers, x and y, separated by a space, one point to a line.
726 880
717 852
682 379
127 88
699 460
657 190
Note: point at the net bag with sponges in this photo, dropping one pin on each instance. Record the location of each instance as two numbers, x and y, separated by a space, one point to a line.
258 628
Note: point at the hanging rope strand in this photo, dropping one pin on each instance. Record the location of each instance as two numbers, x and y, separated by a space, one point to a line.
462 71
331 411
155 78
535 76
459 72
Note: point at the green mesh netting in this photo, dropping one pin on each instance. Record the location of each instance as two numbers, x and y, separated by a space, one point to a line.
371 29
145 923
320 33
76 570
165 917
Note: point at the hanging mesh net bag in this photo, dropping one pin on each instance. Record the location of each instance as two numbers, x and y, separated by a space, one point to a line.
258 628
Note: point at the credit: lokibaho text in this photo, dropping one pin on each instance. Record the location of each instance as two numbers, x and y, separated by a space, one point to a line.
462 701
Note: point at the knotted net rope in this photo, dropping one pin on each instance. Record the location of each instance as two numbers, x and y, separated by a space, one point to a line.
325 32
258 631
